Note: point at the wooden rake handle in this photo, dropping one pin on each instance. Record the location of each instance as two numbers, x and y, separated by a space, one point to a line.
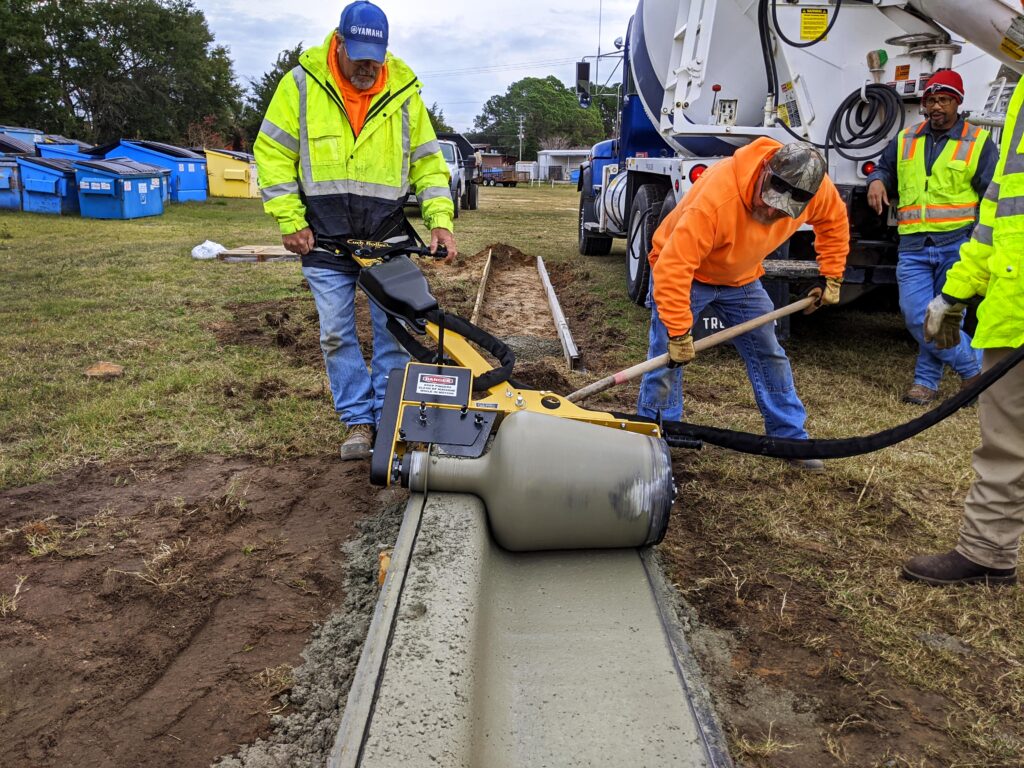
707 342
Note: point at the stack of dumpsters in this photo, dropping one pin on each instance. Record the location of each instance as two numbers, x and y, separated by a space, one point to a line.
42 173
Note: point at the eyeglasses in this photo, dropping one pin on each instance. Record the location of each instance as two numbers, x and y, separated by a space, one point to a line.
783 187
938 101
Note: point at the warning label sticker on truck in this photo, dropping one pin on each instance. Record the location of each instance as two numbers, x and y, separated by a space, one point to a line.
789 109
437 384
813 23
1013 42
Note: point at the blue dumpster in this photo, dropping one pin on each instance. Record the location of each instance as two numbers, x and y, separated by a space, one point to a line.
11 146
48 185
69 151
28 135
10 184
187 169
119 189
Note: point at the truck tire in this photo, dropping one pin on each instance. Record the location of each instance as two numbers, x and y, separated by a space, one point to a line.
591 244
473 195
644 213
455 201
464 198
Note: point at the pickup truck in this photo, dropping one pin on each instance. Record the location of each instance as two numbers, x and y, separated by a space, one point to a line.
459 185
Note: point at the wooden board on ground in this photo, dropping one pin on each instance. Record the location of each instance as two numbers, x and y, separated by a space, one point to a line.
257 253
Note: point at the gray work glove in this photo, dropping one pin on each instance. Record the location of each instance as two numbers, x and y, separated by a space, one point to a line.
942 321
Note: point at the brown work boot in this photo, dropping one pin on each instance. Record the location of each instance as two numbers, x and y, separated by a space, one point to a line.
358 443
919 394
951 568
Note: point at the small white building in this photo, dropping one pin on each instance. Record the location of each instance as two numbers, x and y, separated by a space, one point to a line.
530 167
558 164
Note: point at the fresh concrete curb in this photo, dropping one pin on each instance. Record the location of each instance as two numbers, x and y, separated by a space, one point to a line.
498 659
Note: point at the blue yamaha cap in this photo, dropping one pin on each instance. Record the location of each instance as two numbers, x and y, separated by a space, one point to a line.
364 28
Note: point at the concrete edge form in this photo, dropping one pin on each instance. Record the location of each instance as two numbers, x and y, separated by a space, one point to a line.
362 694
481 291
698 695
501 659
569 348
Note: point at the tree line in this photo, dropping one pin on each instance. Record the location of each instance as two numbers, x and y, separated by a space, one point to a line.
101 70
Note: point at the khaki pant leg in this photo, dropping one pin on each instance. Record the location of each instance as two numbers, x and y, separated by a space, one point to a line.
994 509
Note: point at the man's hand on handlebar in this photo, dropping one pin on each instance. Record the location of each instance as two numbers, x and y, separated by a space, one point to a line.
442 238
300 242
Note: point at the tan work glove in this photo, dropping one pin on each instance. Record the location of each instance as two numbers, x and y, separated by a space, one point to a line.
942 321
826 291
680 350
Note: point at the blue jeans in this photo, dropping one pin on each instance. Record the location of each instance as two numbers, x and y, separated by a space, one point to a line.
921 275
767 365
358 394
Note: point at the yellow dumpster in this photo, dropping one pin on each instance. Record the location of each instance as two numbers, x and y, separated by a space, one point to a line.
231 174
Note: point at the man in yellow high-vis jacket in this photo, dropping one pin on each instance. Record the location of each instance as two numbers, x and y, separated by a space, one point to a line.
940 168
990 266
345 138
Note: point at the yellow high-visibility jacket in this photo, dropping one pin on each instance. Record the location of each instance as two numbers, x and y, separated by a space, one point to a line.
991 261
315 172
945 200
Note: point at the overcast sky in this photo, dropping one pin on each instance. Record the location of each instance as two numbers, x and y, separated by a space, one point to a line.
464 51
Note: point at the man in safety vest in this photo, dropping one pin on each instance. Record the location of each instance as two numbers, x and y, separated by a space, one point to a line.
708 252
344 139
990 266
940 168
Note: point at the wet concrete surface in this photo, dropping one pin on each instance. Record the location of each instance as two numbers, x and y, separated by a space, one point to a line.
542 659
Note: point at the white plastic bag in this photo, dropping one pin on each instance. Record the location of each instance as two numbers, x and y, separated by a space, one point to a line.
207 250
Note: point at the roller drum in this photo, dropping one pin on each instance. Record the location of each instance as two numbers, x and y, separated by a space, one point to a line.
551 483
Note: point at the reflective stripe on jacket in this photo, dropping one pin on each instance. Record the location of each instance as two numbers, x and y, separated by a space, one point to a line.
315 172
991 261
943 201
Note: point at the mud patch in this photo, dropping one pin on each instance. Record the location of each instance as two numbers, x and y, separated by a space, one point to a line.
163 606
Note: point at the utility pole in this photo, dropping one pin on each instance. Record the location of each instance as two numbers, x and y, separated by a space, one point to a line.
521 135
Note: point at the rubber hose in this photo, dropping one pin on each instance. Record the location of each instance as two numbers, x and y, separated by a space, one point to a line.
851 127
808 43
788 448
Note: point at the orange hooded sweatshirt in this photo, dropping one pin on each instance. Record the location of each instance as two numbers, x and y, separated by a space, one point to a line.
712 236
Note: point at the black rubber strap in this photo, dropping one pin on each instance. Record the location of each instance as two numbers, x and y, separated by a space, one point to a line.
495 346
789 448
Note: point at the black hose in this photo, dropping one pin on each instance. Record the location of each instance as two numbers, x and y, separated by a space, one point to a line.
851 128
788 448
806 43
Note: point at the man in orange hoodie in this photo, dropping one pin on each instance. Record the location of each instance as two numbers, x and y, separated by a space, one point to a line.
708 252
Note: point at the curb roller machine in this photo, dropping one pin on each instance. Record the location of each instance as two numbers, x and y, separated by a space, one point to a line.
523 619
552 474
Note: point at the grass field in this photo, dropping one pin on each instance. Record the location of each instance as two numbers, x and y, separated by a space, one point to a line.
797 573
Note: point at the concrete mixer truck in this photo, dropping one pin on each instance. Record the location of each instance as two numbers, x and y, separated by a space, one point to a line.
704 77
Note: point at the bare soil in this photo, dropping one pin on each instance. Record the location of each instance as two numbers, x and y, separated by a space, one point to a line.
164 604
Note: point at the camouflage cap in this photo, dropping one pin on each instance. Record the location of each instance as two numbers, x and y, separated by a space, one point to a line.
800 168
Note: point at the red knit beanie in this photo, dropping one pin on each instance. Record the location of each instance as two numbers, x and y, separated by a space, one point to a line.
946 81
